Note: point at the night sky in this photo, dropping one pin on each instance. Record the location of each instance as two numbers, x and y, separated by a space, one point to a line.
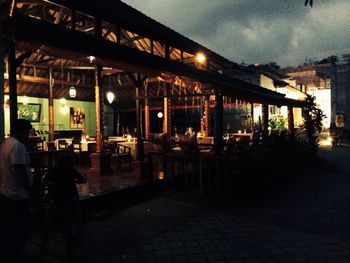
258 31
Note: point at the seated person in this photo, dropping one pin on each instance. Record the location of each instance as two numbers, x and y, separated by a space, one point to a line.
189 143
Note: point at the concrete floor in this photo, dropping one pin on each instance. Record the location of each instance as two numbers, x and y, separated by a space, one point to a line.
304 220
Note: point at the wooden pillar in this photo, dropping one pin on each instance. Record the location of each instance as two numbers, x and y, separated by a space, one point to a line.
252 116
140 151
51 106
167 111
265 117
2 86
206 117
290 121
100 161
219 120
73 19
147 116
12 81
99 102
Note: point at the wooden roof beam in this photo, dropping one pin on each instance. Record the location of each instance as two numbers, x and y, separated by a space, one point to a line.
45 81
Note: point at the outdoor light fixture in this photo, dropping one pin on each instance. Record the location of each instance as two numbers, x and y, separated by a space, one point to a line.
160 115
200 58
63 106
63 101
25 100
91 58
110 97
72 92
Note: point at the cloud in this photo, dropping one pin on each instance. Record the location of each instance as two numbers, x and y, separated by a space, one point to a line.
258 31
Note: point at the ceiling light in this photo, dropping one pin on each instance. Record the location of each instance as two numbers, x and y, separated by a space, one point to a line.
110 97
72 92
91 58
200 58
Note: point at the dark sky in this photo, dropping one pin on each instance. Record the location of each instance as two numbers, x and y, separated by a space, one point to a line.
258 31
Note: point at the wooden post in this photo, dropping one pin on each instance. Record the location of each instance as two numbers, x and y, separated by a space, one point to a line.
252 116
218 144
167 111
73 19
99 102
100 161
140 151
51 107
206 117
290 122
147 116
2 86
12 81
265 118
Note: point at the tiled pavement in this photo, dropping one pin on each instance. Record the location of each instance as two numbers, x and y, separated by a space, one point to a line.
306 220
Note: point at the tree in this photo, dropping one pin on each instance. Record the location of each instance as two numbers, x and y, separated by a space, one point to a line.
273 65
313 117
331 59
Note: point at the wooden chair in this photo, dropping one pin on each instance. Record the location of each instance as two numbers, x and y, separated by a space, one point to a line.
62 144
76 147
121 156
40 145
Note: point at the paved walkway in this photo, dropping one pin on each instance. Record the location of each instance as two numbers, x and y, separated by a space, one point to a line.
307 220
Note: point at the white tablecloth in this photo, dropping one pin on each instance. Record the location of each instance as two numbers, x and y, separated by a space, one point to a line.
116 139
85 145
132 145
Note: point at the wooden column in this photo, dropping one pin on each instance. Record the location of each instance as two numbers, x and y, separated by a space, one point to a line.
147 116
206 117
2 86
51 107
252 116
12 81
290 121
73 19
219 120
140 151
265 118
167 111
99 102
100 161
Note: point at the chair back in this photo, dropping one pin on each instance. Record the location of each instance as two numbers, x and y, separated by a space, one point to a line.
62 144
76 146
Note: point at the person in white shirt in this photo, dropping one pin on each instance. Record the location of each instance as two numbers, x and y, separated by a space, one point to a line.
15 190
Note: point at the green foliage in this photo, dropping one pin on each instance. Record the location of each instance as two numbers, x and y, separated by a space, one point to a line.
273 65
277 123
313 117
331 59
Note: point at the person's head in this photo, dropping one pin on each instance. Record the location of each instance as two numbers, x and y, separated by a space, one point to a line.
21 129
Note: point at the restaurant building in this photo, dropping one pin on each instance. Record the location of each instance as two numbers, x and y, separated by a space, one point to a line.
103 69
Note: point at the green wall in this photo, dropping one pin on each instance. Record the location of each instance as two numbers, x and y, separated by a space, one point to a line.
62 119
